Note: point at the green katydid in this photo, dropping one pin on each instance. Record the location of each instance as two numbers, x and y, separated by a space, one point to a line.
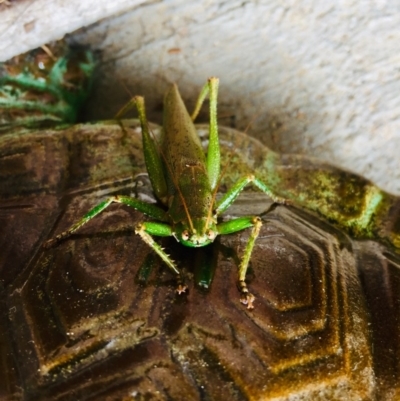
185 181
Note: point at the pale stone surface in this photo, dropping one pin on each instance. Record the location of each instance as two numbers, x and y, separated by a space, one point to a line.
315 77
27 24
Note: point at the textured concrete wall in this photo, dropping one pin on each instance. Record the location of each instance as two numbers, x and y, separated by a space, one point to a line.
313 76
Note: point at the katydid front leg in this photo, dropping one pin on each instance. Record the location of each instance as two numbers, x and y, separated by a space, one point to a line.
242 223
162 230
236 225
143 229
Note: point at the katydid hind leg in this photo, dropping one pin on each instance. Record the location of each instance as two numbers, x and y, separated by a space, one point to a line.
213 152
152 157
200 100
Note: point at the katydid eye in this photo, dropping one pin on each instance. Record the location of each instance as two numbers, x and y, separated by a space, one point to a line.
185 235
211 234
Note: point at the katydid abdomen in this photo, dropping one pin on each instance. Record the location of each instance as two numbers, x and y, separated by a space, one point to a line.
190 198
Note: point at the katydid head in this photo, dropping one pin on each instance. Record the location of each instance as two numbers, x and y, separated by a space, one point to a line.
201 234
